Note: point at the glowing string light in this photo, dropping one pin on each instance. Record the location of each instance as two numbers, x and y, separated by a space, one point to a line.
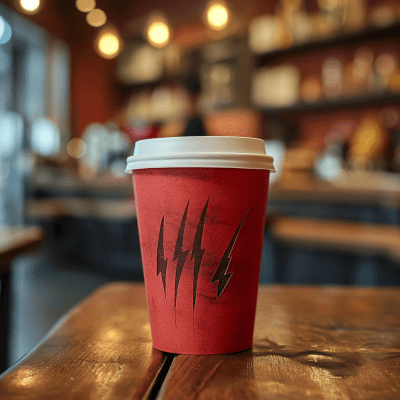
158 33
85 5
217 16
108 44
96 18
30 6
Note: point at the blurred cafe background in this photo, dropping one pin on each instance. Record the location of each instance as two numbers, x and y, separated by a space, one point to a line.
82 81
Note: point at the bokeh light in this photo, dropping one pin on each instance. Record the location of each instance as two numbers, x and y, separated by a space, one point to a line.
217 16
2 26
45 137
85 5
30 6
329 167
7 32
386 64
108 44
367 139
76 148
11 128
158 33
96 18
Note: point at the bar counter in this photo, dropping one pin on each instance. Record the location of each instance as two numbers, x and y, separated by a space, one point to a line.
92 224
365 189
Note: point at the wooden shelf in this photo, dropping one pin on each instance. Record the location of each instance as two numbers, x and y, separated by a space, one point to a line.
368 34
164 80
331 104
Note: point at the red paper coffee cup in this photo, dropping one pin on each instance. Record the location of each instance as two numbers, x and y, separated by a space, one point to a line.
201 205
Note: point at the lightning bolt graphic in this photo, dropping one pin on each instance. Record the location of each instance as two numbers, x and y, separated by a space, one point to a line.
161 260
179 254
198 252
220 275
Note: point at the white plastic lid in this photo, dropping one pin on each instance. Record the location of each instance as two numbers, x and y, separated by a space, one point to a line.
200 152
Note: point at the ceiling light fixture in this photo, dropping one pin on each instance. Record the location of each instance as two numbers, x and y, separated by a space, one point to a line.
108 43
85 5
96 18
30 6
217 15
157 31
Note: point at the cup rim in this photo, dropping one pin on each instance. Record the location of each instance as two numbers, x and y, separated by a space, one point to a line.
200 152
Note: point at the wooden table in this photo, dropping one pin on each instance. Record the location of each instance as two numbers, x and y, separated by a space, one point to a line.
309 343
14 241
342 236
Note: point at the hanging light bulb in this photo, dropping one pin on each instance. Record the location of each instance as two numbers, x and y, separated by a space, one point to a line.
30 6
85 5
157 31
108 43
217 15
96 18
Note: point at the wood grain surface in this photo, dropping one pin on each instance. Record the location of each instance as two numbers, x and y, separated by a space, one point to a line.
101 350
309 343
